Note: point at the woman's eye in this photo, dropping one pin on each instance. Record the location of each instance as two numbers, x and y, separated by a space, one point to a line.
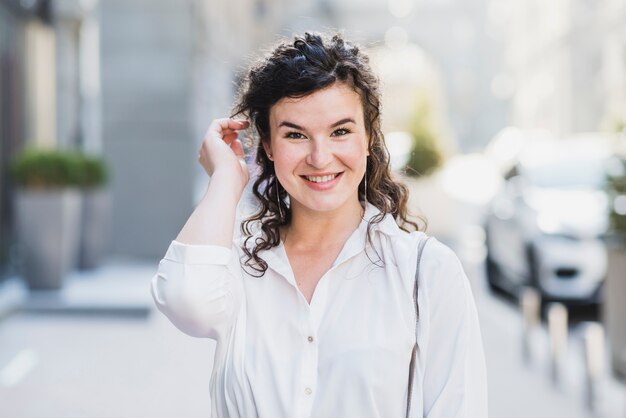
294 135
341 132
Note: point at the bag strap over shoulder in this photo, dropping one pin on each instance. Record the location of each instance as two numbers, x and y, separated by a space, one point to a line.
420 249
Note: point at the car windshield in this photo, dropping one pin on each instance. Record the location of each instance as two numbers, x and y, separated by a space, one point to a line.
568 173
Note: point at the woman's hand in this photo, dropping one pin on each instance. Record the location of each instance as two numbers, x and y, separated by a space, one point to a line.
221 151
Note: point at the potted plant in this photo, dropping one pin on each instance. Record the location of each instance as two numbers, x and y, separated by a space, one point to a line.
96 212
614 308
48 205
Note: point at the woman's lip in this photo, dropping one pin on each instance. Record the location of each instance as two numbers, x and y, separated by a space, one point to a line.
322 186
321 174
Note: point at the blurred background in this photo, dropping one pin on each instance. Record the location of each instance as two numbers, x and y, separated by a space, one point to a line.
506 119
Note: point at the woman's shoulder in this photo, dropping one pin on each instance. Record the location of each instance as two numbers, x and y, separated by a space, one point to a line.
442 275
434 252
438 253
439 264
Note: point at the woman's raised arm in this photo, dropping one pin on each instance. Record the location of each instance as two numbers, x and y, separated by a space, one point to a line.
221 155
198 282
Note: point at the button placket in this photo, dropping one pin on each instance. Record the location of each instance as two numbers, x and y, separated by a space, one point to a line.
309 364
310 346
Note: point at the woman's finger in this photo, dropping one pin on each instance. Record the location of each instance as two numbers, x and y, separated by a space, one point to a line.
221 126
228 138
237 148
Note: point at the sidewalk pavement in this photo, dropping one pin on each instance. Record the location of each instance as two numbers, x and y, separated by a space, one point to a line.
88 360
94 354
518 389
110 290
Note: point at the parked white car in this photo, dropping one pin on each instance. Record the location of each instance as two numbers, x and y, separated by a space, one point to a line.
545 226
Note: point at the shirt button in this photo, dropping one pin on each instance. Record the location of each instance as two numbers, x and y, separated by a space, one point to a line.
308 391
310 339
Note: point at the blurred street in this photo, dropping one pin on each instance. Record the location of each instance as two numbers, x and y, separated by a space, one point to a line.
122 364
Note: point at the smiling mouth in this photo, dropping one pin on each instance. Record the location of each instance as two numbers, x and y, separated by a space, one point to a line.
322 179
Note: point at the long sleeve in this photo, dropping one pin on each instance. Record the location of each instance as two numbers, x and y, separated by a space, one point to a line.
198 287
455 381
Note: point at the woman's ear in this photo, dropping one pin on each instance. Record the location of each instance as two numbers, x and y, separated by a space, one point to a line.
268 150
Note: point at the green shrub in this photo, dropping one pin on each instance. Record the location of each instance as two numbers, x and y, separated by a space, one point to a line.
95 172
46 169
49 169
426 155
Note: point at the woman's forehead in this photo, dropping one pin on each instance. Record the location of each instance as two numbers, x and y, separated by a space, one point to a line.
333 103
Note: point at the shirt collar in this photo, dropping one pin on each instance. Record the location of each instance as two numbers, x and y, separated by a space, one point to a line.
276 257
387 225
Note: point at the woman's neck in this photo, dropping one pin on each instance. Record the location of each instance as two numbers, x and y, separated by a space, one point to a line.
312 230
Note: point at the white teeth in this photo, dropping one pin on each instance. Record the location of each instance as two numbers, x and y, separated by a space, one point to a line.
321 179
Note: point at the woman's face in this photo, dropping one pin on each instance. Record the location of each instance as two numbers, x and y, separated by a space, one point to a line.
319 146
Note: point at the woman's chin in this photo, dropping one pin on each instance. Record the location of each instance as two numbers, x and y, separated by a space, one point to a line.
325 205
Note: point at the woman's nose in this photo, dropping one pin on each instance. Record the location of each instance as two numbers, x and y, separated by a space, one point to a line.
320 154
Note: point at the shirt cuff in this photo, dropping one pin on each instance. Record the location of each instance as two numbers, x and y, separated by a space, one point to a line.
197 254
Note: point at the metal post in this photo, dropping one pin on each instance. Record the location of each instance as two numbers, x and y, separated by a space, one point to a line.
557 328
473 254
530 303
593 340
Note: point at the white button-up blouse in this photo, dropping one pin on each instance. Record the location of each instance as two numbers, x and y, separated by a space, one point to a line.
346 354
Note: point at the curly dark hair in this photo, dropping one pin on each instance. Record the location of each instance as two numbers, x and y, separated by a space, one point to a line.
296 69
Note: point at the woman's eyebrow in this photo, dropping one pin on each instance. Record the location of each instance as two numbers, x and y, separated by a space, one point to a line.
290 125
342 121
294 126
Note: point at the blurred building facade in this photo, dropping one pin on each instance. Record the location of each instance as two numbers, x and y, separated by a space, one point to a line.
147 52
49 89
26 98
568 62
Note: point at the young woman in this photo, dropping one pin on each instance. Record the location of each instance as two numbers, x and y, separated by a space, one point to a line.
312 306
